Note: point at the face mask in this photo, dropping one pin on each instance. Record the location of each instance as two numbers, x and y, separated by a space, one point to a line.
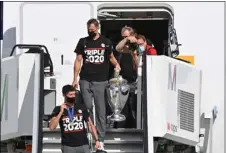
92 34
70 99
141 49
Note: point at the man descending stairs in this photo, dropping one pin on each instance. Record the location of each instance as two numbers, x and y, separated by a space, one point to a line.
116 141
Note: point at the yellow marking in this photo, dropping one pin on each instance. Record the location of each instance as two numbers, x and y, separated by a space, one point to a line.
188 58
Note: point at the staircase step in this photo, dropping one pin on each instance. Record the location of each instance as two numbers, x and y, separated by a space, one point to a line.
112 134
108 151
116 141
119 130
125 148
58 141
122 130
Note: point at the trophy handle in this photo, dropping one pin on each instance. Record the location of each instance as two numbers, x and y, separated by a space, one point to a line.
125 93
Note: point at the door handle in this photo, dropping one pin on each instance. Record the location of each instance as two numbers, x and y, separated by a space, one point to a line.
62 59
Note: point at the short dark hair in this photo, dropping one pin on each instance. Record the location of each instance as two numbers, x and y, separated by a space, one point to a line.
67 88
141 37
93 21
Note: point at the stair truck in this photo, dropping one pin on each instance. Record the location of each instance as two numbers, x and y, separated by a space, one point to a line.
168 89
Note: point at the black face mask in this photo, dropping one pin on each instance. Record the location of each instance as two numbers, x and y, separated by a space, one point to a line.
70 99
91 34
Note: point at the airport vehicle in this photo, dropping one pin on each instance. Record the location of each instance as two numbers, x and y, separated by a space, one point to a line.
41 62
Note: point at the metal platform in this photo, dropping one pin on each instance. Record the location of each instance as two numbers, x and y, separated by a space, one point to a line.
116 141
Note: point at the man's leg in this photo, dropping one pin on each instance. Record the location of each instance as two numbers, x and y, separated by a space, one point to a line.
87 95
109 123
82 149
86 149
67 149
98 89
131 122
132 105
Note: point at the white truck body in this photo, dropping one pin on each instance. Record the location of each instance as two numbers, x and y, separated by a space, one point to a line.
59 25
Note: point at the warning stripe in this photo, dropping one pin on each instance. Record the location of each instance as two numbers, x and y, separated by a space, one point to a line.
188 58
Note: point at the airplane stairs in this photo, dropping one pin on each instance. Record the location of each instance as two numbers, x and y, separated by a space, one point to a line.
116 141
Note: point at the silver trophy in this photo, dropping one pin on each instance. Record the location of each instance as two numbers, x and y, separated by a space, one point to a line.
117 95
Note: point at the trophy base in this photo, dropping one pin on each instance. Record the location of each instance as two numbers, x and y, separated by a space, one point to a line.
117 117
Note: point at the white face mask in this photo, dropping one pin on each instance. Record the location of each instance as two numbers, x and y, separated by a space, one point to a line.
141 49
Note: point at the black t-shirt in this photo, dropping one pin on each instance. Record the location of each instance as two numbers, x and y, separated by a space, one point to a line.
128 71
76 135
96 55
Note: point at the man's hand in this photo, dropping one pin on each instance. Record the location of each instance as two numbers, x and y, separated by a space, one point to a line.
98 146
55 120
132 39
62 107
75 83
134 54
94 132
114 62
117 67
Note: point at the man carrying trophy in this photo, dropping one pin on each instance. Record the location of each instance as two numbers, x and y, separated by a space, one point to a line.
94 54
